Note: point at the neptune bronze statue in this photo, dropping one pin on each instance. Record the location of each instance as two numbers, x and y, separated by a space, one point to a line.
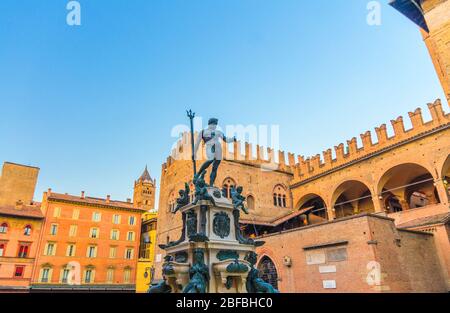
211 137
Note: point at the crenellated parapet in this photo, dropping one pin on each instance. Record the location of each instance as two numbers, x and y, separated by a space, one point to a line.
305 168
243 153
310 167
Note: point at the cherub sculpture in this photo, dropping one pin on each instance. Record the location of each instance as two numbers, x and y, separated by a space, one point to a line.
183 200
201 190
238 204
238 199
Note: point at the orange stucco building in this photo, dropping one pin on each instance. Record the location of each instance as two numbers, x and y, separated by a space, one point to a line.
87 244
68 243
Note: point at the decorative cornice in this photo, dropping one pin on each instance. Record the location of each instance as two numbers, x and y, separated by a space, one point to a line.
97 205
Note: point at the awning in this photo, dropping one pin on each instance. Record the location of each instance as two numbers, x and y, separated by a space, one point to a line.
412 9
280 220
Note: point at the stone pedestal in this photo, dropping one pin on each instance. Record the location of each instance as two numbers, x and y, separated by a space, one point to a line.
209 227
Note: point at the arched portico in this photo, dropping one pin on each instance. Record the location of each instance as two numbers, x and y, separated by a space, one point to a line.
318 212
352 197
407 186
443 186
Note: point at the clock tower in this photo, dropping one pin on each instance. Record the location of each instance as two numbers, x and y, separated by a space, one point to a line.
144 191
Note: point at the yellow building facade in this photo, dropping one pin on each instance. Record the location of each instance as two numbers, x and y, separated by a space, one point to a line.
145 269
144 197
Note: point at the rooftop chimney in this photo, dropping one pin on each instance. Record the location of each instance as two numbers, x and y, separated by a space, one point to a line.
128 200
82 195
108 198
49 191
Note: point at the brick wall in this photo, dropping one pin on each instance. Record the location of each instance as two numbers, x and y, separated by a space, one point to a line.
368 240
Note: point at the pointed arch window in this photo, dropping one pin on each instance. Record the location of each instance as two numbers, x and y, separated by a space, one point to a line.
279 196
251 203
268 271
227 185
172 202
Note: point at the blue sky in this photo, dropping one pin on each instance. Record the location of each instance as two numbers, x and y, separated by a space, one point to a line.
92 105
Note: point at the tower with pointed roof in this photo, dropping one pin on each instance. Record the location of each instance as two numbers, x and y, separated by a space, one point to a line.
144 191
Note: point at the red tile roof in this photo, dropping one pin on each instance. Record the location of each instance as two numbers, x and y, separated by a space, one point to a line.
92 201
26 211
428 220
277 221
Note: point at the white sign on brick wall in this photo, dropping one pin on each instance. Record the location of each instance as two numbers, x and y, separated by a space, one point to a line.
329 284
327 269
316 257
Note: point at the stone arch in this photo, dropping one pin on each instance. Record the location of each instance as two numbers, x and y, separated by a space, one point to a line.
280 196
251 203
281 185
352 197
411 184
171 201
445 186
318 213
227 184
268 270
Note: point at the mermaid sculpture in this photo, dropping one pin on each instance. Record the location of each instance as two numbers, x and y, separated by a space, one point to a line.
182 201
254 283
198 274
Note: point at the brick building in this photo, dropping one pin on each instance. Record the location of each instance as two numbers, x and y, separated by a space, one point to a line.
368 218
20 224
